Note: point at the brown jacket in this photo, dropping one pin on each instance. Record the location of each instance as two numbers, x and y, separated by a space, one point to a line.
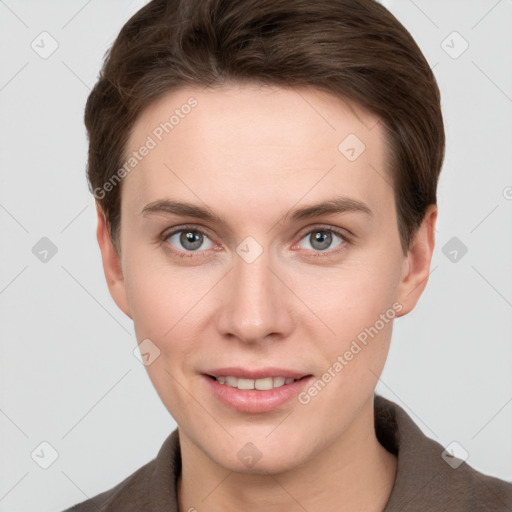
425 481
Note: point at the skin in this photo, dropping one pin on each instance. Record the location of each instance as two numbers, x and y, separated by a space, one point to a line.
251 154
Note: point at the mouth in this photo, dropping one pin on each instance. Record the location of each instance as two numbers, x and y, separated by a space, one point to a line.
262 384
255 391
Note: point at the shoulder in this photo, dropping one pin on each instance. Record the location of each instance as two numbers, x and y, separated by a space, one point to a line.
429 478
132 491
463 488
484 492
151 487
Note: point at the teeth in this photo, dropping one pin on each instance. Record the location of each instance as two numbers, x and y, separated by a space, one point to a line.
232 381
245 384
260 384
280 381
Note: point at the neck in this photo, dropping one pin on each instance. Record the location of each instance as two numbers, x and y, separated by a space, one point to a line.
354 473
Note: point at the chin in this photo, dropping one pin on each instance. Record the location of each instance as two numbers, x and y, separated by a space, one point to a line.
259 454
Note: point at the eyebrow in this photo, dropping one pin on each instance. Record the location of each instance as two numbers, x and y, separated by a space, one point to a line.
336 205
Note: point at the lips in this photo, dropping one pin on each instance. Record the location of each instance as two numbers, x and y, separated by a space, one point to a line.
255 390
252 373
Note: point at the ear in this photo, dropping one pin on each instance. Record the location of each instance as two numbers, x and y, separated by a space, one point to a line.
416 266
111 264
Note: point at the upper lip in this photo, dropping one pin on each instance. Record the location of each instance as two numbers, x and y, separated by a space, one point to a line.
252 373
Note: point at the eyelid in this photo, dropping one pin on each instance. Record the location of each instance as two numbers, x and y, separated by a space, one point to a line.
191 227
344 233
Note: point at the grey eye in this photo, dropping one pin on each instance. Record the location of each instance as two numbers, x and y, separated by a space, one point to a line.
189 240
321 239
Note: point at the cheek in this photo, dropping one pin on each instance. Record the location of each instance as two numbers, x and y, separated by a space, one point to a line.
351 297
359 305
168 303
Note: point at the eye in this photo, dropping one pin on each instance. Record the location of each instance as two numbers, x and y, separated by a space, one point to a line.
321 239
188 240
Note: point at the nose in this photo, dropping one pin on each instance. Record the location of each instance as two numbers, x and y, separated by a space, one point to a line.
256 305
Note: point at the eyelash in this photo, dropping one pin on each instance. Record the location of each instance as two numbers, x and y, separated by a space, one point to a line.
319 228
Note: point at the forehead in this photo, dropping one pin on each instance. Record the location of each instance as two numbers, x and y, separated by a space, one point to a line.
256 145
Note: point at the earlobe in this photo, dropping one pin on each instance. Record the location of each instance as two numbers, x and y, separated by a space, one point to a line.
416 266
111 264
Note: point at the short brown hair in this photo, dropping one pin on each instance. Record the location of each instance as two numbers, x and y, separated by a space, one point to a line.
354 49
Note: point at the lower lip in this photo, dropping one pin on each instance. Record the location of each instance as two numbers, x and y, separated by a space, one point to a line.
254 400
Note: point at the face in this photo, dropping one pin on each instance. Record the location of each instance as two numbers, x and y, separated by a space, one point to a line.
259 240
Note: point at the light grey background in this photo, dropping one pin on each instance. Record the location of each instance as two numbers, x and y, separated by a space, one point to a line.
68 375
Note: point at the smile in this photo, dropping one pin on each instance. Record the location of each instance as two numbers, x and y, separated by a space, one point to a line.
263 384
255 395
